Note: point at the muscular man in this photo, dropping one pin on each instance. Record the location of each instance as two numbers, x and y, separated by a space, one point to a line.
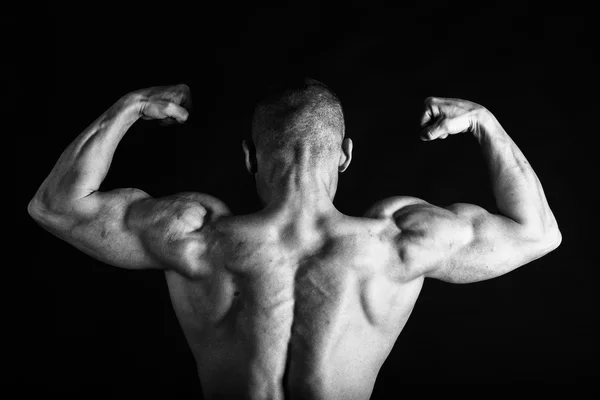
297 300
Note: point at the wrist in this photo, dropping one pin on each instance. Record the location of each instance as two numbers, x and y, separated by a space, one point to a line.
130 106
486 124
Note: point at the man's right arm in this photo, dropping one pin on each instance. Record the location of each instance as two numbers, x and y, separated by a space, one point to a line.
464 243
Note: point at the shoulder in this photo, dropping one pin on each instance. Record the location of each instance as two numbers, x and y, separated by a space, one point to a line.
420 222
177 228
187 211
424 235
388 207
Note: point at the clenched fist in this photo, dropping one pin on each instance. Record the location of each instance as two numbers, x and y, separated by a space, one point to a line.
163 103
444 116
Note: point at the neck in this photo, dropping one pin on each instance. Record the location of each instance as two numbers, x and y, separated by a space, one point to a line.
299 184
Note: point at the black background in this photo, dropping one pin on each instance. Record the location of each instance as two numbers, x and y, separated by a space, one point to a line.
84 326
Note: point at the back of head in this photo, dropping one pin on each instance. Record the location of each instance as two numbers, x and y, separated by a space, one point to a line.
298 113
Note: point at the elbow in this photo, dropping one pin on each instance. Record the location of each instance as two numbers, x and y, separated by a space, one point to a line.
553 234
551 239
55 217
556 238
40 213
549 243
546 239
43 215
40 205
46 207
35 209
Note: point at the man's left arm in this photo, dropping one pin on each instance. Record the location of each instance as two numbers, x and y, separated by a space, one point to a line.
68 203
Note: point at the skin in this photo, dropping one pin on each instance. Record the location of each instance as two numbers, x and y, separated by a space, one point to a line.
297 300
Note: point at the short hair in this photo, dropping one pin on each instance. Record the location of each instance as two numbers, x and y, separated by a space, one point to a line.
299 112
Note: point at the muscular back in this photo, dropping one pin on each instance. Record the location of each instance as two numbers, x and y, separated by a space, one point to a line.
279 305
289 312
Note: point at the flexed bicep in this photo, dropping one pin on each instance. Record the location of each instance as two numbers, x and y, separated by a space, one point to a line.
523 230
68 203
464 243
127 228
460 243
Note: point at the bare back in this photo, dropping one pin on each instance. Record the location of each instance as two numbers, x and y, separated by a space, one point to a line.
280 306
284 314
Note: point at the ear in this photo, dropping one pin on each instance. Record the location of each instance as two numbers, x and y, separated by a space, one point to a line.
346 155
250 156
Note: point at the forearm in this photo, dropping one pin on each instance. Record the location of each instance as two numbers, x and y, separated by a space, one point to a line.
518 192
84 164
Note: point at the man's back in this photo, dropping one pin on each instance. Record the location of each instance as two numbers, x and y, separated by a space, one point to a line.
287 311
302 302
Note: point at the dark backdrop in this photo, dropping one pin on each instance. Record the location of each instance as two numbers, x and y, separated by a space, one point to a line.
85 325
